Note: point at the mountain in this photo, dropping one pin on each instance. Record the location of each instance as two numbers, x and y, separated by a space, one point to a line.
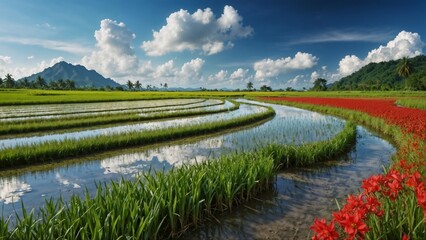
79 74
384 76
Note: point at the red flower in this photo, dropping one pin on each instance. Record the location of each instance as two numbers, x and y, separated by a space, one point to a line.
372 184
353 224
405 237
324 231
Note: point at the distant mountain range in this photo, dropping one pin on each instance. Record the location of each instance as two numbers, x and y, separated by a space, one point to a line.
382 76
79 74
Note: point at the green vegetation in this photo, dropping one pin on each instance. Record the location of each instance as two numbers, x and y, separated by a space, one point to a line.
412 102
320 84
38 125
54 150
164 204
34 96
387 76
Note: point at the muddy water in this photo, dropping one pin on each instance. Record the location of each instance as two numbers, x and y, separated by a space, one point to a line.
301 195
33 186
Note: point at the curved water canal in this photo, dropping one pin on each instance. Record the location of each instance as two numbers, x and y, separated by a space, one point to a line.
299 195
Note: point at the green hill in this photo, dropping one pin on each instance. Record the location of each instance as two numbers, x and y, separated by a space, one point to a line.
384 76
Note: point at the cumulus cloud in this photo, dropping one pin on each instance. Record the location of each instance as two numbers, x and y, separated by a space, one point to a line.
20 72
239 74
198 31
192 69
268 68
5 60
114 55
405 44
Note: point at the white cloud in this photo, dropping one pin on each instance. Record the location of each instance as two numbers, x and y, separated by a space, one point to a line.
114 55
192 69
344 36
5 60
20 72
166 70
68 47
314 76
239 74
268 68
405 44
198 31
30 57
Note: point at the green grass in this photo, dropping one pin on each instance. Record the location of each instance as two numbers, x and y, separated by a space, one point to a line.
38 125
162 204
32 96
419 103
54 150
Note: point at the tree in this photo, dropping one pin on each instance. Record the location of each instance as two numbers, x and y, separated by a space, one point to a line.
69 84
138 85
249 86
39 82
265 88
405 69
129 85
165 85
9 81
1 81
25 83
320 84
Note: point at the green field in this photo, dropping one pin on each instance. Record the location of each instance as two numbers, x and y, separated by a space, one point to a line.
25 96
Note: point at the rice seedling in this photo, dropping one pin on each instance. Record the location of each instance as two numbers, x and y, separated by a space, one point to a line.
29 126
54 150
160 204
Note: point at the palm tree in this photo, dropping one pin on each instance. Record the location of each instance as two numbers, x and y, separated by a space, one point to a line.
249 86
405 69
9 81
69 84
165 85
39 82
138 85
129 84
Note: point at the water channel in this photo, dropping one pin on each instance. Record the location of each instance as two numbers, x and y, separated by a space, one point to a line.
286 212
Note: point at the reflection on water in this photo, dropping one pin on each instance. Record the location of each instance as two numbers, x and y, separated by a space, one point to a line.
290 125
53 109
11 189
242 111
301 195
188 104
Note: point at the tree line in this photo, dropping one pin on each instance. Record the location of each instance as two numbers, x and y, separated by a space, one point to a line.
38 83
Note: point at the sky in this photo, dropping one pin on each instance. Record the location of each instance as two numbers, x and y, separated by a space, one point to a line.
210 44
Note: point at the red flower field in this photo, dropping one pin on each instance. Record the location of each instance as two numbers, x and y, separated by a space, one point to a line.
410 119
401 181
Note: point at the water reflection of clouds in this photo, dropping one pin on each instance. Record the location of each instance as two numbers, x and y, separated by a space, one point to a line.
161 158
44 109
12 189
242 111
65 181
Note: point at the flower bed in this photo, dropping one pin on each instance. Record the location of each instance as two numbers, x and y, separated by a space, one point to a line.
392 205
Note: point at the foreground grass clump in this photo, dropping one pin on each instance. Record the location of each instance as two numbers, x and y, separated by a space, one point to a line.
54 150
38 125
161 204
391 205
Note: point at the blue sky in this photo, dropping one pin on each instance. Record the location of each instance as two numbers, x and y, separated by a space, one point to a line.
213 44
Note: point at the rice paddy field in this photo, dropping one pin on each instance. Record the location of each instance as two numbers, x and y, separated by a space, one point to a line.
212 165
